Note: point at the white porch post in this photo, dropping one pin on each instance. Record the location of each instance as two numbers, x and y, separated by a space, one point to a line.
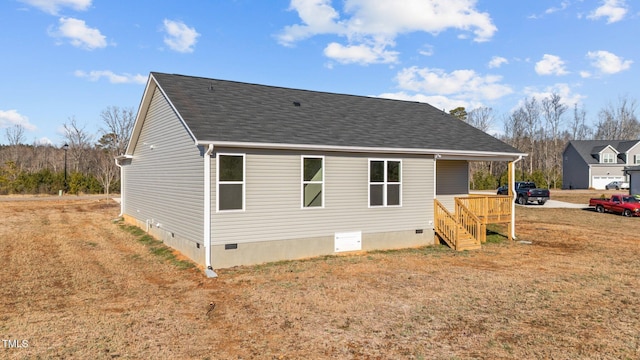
512 194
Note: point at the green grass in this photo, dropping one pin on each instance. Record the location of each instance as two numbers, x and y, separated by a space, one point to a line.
156 247
496 234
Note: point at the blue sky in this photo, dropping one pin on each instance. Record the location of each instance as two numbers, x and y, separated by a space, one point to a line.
74 58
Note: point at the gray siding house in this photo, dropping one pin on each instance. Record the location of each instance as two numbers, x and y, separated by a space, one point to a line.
232 173
595 163
634 179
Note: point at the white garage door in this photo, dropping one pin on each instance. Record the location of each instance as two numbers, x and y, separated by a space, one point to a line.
599 182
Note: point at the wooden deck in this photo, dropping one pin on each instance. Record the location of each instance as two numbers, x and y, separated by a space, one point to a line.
466 228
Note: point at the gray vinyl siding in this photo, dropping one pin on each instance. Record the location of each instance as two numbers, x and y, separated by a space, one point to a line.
633 155
165 183
607 150
605 170
575 172
273 199
634 182
452 180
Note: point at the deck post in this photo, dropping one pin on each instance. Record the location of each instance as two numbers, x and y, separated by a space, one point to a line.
511 185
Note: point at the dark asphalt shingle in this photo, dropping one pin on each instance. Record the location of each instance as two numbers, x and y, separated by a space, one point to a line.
588 148
219 110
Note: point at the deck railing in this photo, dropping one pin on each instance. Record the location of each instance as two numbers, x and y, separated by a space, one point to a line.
491 209
470 222
446 225
472 213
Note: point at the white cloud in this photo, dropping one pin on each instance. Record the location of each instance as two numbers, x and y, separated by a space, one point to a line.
376 24
608 63
43 141
12 117
318 17
448 90
427 50
550 65
585 74
613 10
463 84
563 6
360 54
497 61
79 34
438 101
113 78
567 96
54 6
180 37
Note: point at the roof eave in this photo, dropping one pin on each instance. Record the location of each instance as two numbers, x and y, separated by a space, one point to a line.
443 153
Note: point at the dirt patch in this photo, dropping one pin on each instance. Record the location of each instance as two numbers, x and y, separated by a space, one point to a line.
75 285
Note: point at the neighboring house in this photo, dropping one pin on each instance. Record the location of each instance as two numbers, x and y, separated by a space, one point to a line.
231 173
595 163
634 179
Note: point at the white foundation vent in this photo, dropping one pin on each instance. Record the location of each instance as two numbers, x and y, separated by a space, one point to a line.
348 241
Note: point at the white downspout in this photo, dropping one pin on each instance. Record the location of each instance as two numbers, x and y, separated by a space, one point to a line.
513 202
121 187
207 213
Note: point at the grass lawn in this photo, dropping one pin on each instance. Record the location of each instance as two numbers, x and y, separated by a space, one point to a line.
76 284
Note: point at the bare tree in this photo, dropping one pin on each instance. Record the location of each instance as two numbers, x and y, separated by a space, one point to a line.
618 123
107 171
553 110
80 143
531 112
578 129
117 127
15 137
119 123
15 134
514 129
481 118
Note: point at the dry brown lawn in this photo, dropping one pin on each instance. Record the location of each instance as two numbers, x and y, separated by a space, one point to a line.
76 285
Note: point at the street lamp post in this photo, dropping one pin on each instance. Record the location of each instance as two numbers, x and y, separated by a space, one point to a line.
65 147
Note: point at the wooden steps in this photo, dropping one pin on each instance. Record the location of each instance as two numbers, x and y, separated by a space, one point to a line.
464 241
466 228
467 242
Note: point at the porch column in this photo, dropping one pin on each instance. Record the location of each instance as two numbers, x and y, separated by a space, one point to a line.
512 192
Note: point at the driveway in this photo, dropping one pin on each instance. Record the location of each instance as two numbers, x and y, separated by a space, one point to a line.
559 204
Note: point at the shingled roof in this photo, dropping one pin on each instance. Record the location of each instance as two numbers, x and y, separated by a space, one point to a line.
588 148
233 112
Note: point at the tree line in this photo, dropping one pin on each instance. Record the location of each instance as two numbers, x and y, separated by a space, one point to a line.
539 127
85 163
542 128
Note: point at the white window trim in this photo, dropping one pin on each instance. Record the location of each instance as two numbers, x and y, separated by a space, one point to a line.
303 183
636 159
383 183
608 156
243 182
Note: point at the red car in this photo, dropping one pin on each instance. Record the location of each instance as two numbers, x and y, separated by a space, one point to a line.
619 204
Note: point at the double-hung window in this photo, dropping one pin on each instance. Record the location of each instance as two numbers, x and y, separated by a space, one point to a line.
231 181
312 181
385 183
608 158
637 159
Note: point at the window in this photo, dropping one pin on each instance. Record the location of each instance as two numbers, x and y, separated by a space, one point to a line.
231 181
608 158
312 181
637 159
385 183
